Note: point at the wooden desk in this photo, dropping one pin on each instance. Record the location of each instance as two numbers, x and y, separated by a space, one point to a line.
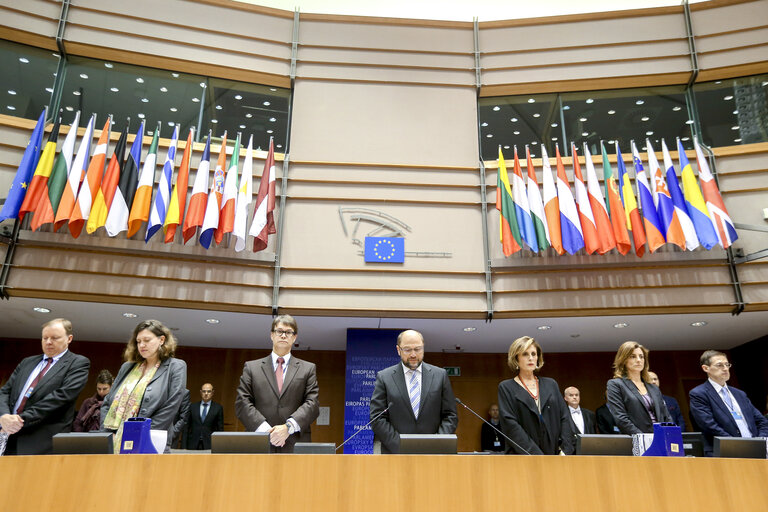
189 482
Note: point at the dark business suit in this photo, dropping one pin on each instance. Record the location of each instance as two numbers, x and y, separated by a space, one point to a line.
606 424
489 438
437 406
181 420
50 408
590 422
258 399
629 410
538 434
162 397
199 431
674 412
712 416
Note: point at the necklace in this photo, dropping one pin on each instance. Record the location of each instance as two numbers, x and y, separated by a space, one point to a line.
536 396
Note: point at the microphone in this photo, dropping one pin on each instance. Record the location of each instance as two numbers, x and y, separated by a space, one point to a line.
364 427
458 401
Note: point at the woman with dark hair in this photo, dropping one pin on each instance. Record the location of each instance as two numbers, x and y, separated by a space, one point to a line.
531 409
89 416
150 384
635 403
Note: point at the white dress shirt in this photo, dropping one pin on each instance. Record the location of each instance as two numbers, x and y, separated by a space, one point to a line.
578 418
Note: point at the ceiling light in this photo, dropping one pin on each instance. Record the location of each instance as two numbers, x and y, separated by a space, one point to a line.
590 100
516 133
130 315
533 155
736 140
41 310
279 146
163 89
735 112
266 103
611 141
728 98
76 93
175 75
639 102
140 80
272 89
214 121
514 119
141 116
554 138
583 119
196 100
145 100
11 107
734 127
49 89
484 125
537 115
531 100
700 323
171 123
219 107
719 82
506 147
690 121
646 118
620 325
676 109
272 119
242 127
213 321
496 108
174 109
108 65
68 109
270 131
490 135
83 76
470 329
554 125
24 60
544 327
649 133
238 97
611 112
685 139
12 93
114 89
249 116
584 134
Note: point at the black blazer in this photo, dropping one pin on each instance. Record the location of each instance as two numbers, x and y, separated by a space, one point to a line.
437 409
590 423
201 430
605 422
629 410
50 408
539 434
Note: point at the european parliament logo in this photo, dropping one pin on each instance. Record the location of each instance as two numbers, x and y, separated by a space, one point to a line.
384 249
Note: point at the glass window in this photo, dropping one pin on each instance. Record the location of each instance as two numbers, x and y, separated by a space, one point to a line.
26 83
733 111
518 120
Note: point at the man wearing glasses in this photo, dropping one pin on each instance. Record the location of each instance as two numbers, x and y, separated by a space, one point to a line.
721 410
419 395
278 394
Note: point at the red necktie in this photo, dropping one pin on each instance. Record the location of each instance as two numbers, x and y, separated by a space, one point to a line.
279 374
31 388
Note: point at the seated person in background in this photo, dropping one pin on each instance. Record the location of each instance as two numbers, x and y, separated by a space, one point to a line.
721 410
672 406
490 440
89 417
582 420
635 403
605 422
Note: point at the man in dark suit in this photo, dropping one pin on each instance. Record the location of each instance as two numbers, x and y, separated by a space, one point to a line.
421 398
38 401
205 417
720 410
606 424
672 406
490 439
582 420
278 394
181 420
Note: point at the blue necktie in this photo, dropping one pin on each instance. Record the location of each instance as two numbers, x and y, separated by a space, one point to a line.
414 392
205 412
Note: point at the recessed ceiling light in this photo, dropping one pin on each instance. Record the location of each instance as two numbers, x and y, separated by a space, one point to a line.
145 100
736 140
611 141
514 119
728 98
639 102
130 315
690 121
537 115
554 138
238 97
11 107
531 100
533 155
175 75
272 119
270 131
700 323
649 133
219 107
506 147
76 93
12 92
49 89
242 127
685 139
214 121
171 123
196 100
734 127
68 109
163 89
484 124
554 125
108 65
584 134
590 100
645 118
496 108
470 329
140 80
41 310
141 116
114 89
611 112
83 76
213 321
719 82
279 146
490 135
735 112
266 103
620 325
249 116
567 107
272 89
583 119
677 109
174 109
516 133
24 60
544 327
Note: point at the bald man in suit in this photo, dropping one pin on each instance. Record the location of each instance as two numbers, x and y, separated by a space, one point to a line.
279 393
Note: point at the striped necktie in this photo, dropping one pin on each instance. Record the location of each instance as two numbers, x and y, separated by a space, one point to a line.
414 391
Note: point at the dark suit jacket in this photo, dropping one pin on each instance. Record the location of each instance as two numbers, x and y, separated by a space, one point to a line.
198 430
714 419
50 408
162 398
590 422
539 434
605 422
258 399
629 410
181 420
674 411
488 437
437 408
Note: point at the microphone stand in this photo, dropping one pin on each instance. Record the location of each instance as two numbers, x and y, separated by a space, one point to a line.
364 427
458 401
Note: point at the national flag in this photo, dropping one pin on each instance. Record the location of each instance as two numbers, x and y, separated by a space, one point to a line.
76 175
91 183
606 238
229 197
614 207
520 197
213 207
244 199
724 228
103 201
694 202
551 204
536 205
42 173
654 226
509 230
23 175
689 230
263 218
196 211
179 195
586 217
634 221
120 211
142 201
163 195
671 228
45 212
573 237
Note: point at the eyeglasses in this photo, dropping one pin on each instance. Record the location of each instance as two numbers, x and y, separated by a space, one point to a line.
415 350
722 366
281 332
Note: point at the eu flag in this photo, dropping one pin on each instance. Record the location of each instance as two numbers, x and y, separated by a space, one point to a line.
384 249
24 174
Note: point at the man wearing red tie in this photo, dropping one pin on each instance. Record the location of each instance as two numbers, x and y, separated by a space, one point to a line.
38 401
278 394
